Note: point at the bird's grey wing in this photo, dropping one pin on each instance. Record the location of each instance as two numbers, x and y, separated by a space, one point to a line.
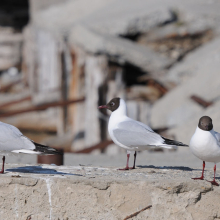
12 139
132 133
217 135
145 126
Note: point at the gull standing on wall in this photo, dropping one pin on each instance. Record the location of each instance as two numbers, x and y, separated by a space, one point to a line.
13 141
133 135
205 144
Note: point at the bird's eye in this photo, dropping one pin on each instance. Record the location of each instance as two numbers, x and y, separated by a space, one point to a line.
112 104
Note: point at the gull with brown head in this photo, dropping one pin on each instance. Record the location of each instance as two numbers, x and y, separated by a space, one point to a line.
205 144
133 135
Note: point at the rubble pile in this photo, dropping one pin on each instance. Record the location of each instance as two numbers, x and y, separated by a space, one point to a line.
155 54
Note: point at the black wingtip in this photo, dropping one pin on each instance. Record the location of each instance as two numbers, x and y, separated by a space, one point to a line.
172 142
46 150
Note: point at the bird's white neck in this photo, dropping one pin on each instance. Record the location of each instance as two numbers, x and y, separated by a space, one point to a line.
118 115
199 130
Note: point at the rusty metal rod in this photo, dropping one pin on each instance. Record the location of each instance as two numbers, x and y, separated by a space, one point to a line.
7 87
27 98
41 107
201 101
158 85
101 145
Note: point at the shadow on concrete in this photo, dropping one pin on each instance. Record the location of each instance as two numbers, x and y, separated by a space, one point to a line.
38 170
168 167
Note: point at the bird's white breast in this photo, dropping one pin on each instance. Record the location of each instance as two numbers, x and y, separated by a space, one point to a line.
205 146
116 118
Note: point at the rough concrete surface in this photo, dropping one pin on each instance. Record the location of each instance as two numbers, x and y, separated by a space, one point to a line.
180 157
91 192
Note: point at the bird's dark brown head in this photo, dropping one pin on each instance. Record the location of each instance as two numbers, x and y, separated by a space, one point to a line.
205 123
112 105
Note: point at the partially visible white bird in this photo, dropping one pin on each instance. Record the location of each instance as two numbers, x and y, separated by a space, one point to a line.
205 144
13 141
133 135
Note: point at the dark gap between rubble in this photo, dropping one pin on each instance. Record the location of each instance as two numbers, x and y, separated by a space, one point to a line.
134 36
139 84
102 91
131 36
174 18
131 73
33 131
14 13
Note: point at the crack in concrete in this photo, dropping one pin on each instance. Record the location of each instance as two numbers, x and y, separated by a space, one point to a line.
48 183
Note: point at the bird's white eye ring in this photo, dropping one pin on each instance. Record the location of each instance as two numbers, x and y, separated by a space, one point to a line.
112 103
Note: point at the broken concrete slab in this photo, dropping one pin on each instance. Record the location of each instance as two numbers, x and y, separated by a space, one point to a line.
124 50
127 17
61 17
185 130
175 44
176 107
122 17
194 62
51 192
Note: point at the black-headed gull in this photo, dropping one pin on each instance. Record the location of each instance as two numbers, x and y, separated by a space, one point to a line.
133 135
13 141
205 144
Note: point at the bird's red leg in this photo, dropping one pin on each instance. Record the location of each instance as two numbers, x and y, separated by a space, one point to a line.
135 154
3 164
202 177
127 167
213 182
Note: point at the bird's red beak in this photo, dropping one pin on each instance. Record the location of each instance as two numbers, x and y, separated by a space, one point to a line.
102 106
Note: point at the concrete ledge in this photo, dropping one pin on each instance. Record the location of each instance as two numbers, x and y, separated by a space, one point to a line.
80 192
